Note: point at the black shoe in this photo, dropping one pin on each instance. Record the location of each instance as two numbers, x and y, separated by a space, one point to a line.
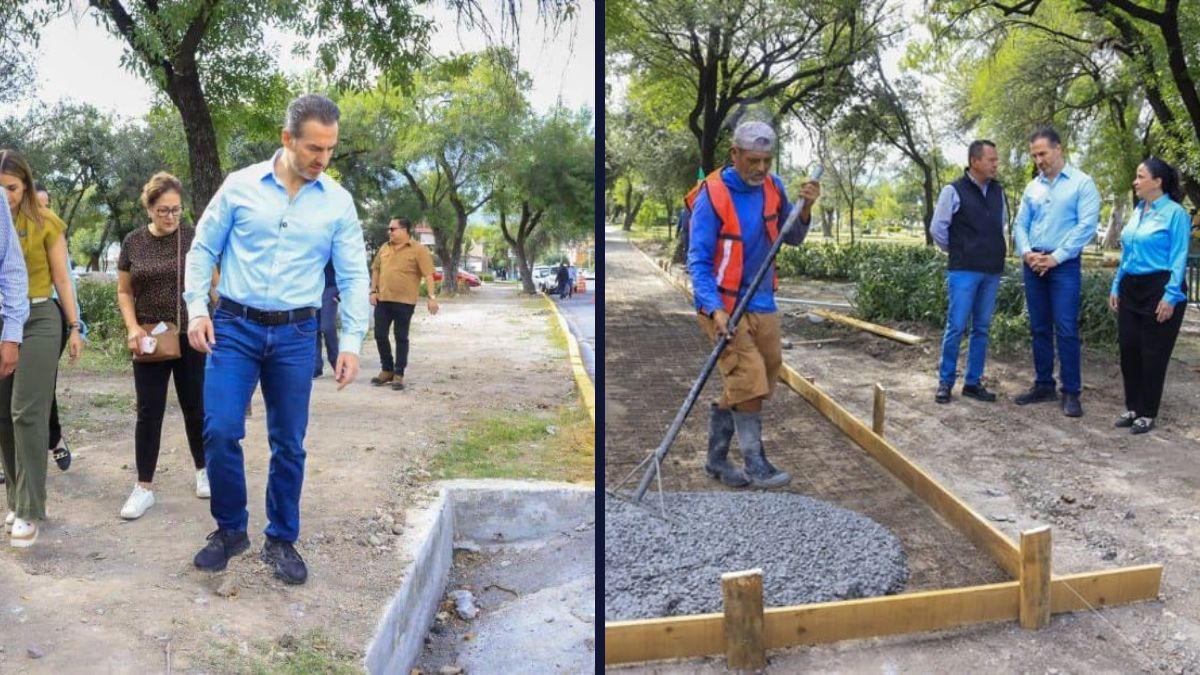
1036 394
1071 406
1142 425
943 394
1125 420
62 454
222 545
978 392
288 564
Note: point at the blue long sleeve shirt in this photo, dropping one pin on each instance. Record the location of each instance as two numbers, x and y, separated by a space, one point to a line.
702 245
1059 216
948 204
273 251
14 281
1156 241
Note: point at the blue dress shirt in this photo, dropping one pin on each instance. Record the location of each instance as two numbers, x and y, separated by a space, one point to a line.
272 251
1059 216
1156 241
702 246
14 281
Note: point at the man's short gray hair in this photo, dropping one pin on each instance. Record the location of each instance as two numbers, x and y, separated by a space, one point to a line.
757 136
310 107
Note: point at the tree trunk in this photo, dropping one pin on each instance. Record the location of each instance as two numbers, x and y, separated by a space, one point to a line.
204 159
1116 222
827 222
928 215
631 210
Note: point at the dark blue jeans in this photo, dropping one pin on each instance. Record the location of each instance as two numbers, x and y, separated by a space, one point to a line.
280 357
1053 303
327 330
972 298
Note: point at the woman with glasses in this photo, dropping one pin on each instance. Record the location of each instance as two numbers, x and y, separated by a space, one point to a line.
25 396
149 291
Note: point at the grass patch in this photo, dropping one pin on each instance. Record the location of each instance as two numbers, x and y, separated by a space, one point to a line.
558 338
102 359
557 444
120 402
311 654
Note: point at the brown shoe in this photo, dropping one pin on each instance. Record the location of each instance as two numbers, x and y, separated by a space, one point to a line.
397 382
382 378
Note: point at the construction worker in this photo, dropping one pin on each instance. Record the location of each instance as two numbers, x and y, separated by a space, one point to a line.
736 217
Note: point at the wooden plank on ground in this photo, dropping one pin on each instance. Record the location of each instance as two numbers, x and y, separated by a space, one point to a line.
742 593
1035 578
956 512
677 637
890 615
1074 592
891 333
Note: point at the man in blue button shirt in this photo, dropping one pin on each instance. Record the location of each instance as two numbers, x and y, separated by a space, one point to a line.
273 226
1059 211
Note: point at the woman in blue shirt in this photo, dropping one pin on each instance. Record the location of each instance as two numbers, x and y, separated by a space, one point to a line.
1148 293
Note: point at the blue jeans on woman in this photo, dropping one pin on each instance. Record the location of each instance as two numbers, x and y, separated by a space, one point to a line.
245 354
972 298
1053 303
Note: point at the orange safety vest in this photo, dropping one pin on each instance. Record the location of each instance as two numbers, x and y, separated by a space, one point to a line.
727 264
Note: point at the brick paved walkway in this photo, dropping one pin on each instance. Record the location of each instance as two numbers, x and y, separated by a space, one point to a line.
653 350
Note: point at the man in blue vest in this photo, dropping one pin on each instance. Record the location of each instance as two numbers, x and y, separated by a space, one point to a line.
968 223
735 219
1059 211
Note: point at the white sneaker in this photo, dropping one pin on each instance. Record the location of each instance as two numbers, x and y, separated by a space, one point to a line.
24 533
203 491
139 501
8 521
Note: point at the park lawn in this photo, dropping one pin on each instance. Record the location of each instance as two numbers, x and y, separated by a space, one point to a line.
552 444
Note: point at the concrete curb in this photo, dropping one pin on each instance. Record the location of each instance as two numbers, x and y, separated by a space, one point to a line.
485 511
587 391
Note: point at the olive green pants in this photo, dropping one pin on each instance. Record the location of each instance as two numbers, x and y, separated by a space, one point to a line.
25 412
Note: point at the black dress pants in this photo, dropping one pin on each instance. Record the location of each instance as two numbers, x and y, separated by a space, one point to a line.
1145 343
397 316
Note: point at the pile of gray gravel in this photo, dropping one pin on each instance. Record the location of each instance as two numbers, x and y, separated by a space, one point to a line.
809 551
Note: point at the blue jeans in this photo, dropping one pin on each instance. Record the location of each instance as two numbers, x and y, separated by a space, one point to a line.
327 319
972 296
280 357
1053 302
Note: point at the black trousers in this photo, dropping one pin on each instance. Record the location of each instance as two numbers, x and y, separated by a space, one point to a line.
1145 343
389 315
150 382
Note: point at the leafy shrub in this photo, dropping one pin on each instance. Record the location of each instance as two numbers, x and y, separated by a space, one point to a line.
487 277
98 303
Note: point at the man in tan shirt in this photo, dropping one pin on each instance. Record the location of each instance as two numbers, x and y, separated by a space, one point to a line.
396 277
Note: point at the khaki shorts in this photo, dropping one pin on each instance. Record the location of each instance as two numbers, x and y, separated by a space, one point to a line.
750 365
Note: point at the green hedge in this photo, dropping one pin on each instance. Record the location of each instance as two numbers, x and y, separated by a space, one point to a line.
106 329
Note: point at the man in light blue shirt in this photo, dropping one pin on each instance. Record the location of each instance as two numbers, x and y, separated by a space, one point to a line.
1059 211
273 226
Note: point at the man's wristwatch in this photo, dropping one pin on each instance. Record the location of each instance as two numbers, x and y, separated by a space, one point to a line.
75 325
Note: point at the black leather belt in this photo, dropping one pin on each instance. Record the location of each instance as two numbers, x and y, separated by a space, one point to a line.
266 318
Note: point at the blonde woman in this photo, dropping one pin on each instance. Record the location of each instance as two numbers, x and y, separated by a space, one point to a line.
149 275
25 397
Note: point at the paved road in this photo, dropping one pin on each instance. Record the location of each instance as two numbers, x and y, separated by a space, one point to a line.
580 311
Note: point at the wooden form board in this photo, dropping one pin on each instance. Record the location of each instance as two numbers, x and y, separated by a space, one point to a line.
956 512
704 634
890 333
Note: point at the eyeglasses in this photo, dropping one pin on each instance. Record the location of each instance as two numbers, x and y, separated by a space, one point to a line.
393 229
164 212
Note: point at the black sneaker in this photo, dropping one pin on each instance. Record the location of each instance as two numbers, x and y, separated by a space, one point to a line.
222 545
1125 420
978 392
61 454
1142 425
1036 394
288 564
1071 406
943 394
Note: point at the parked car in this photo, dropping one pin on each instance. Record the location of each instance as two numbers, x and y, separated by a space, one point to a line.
464 277
543 278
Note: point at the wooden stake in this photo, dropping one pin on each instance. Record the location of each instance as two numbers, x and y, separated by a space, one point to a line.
744 645
898 336
1035 578
877 423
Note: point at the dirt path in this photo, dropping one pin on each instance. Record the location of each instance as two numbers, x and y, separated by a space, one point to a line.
101 595
1112 499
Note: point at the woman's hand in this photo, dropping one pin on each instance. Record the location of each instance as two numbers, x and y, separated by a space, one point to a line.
1164 311
1114 302
134 341
74 345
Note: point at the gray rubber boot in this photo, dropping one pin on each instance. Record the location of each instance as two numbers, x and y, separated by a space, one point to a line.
720 433
758 469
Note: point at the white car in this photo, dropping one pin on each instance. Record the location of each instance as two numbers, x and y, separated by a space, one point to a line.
543 278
